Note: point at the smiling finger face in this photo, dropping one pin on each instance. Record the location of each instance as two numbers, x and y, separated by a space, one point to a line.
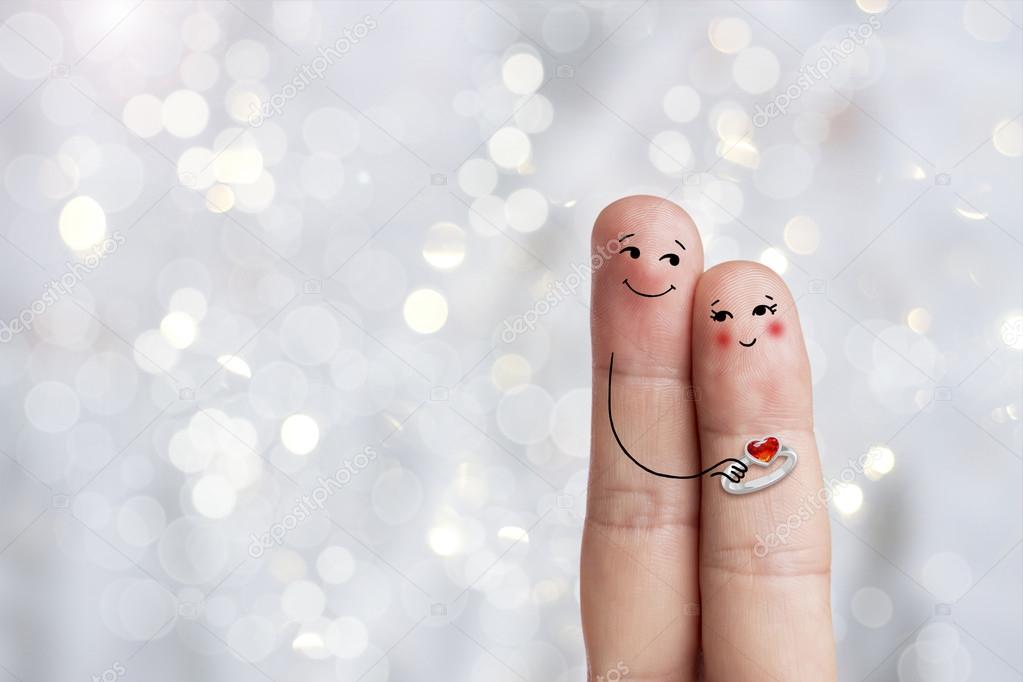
746 333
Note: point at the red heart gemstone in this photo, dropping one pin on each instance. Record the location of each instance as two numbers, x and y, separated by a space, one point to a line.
764 449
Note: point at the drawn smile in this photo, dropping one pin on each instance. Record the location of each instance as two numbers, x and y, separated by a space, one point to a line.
670 288
747 345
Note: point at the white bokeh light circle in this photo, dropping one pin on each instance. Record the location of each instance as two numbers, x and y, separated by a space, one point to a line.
425 311
31 46
670 152
526 210
524 414
509 147
303 600
570 422
52 406
872 607
681 103
185 113
335 565
477 177
140 521
522 73
444 246
756 70
534 114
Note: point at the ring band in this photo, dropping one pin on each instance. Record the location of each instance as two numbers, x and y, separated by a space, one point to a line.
780 451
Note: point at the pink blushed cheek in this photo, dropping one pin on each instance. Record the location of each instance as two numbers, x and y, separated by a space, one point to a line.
722 339
775 329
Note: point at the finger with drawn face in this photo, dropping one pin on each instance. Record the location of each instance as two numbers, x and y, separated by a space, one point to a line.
764 555
639 583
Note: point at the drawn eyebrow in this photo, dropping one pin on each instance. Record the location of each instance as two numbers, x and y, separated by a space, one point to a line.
622 239
715 303
770 297
680 244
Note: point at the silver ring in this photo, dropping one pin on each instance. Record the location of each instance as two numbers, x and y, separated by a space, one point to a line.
762 452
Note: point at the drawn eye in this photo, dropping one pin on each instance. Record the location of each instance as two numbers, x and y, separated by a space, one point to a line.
632 251
764 309
720 315
672 258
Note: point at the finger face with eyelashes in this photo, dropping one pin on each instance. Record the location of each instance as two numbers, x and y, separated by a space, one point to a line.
751 369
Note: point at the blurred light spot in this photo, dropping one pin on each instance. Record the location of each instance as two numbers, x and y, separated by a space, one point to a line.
83 224
534 114
300 434
425 311
919 320
1008 137
522 73
739 151
681 103
513 534
729 34
220 199
240 163
802 235
347 637
179 329
775 259
309 643
510 370
848 497
477 177
335 565
444 540
185 113
880 461
526 210
670 152
200 31
756 70
444 247
872 6
303 600
143 114
235 365
872 607
213 496
190 301
509 147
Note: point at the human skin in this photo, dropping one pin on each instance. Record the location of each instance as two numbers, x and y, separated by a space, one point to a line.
673 584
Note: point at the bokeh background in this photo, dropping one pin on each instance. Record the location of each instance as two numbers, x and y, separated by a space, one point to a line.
295 357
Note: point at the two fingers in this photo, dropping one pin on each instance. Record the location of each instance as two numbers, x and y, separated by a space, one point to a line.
703 363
